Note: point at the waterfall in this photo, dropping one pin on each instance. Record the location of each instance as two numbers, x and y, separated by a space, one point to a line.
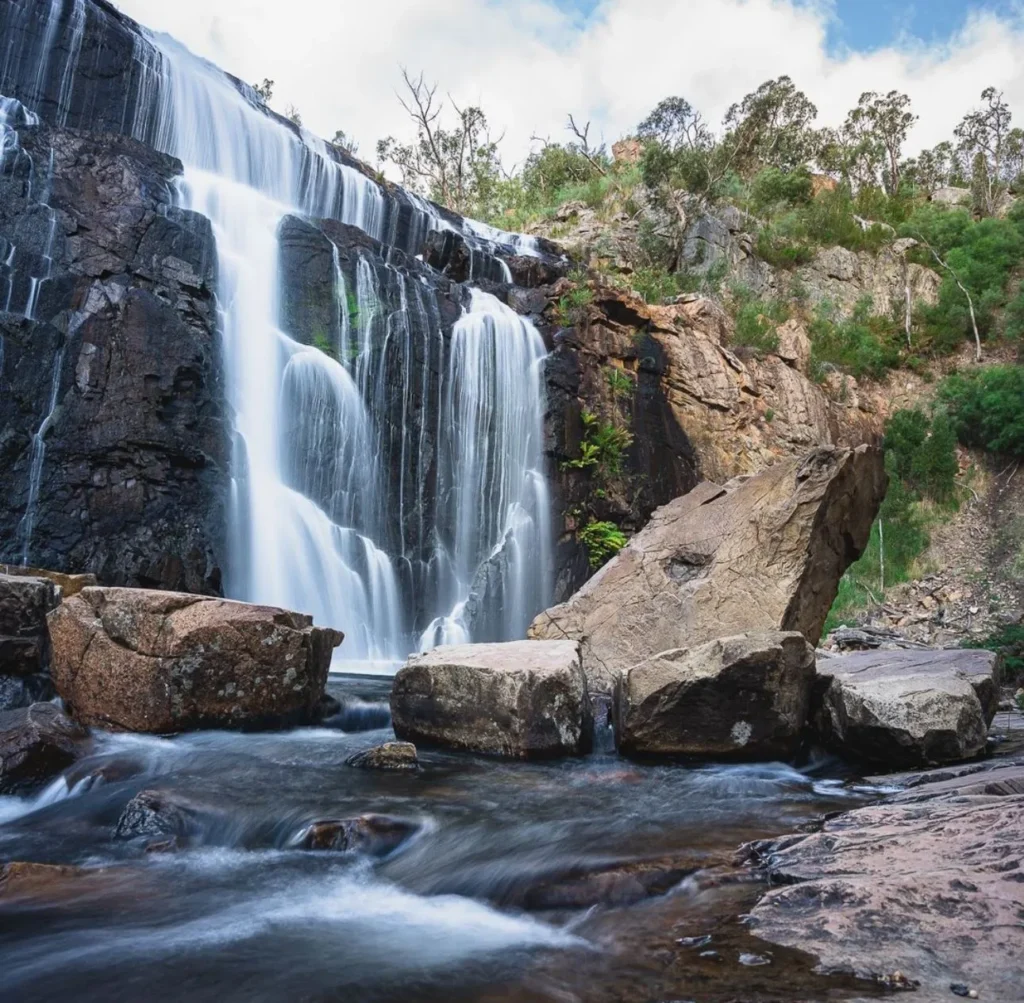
345 501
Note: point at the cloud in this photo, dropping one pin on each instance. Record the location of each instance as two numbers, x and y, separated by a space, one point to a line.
529 63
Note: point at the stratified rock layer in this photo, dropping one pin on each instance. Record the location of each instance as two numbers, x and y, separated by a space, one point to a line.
523 699
135 660
929 886
763 554
24 641
908 708
744 697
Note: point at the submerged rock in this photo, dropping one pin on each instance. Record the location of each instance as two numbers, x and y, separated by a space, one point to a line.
24 641
926 886
36 743
135 660
376 835
521 699
908 708
744 697
764 553
389 756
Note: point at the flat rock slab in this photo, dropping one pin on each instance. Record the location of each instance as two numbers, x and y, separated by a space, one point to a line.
929 884
521 699
744 697
161 662
764 553
907 708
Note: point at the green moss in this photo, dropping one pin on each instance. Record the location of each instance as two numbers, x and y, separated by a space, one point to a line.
603 541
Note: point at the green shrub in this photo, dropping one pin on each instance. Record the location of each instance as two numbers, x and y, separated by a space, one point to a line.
863 344
603 541
1008 642
572 307
922 453
619 382
781 252
772 187
986 407
757 320
602 447
654 284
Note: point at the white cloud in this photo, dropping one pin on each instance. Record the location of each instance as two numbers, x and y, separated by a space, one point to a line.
528 63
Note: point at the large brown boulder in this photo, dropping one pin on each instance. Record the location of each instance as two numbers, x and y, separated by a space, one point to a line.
521 699
36 743
763 553
908 708
136 660
744 697
24 641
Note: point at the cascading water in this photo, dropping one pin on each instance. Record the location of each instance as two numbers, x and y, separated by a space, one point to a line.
334 458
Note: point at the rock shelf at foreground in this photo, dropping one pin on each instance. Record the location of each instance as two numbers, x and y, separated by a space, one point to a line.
765 553
928 884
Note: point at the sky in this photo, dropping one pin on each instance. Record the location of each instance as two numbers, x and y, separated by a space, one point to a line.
529 63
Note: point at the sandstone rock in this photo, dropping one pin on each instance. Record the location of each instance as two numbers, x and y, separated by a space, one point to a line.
36 743
794 345
907 708
744 697
928 885
376 835
389 756
765 554
522 699
134 660
24 641
69 585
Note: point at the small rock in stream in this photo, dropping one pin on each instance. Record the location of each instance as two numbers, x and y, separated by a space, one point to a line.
157 813
694 941
376 835
36 743
754 960
389 756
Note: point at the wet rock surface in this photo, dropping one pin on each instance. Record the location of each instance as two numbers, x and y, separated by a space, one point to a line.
375 835
522 699
927 884
909 707
764 553
160 662
158 815
389 756
36 743
744 697
24 640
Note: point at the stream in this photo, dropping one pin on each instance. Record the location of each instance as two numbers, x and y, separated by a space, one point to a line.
592 879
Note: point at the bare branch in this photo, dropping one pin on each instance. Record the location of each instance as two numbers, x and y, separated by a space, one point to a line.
585 145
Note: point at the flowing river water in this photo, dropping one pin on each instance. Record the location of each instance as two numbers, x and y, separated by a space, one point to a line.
591 879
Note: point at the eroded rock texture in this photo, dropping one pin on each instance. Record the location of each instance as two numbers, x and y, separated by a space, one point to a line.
765 553
148 661
928 884
522 699
744 697
24 640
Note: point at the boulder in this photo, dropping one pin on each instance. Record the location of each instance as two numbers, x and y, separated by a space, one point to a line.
744 697
927 884
375 835
24 641
907 708
763 553
521 699
36 743
389 756
160 662
161 814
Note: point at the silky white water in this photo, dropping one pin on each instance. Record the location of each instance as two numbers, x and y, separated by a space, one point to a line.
396 490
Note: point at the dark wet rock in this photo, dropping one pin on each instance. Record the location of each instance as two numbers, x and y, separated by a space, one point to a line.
926 885
389 756
741 697
136 660
36 743
134 481
763 553
908 708
161 815
374 835
24 640
615 886
521 699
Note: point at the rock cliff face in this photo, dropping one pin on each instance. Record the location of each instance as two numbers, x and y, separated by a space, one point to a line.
114 436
